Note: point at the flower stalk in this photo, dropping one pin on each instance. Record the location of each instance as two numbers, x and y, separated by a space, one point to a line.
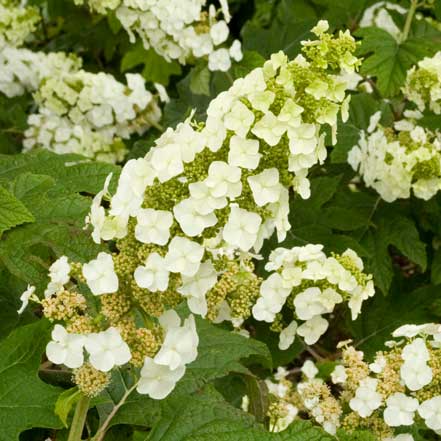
99 436
79 419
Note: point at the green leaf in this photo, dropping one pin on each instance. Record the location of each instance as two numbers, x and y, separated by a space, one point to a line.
388 60
200 80
208 417
72 173
156 69
49 186
250 61
392 228
183 419
219 353
344 219
344 13
292 24
65 402
113 22
25 401
383 314
436 268
331 210
257 392
12 211
298 431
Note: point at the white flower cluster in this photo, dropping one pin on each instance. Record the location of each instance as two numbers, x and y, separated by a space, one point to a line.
17 21
106 349
394 162
378 15
86 113
286 411
417 346
23 70
160 374
316 399
220 188
311 284
423 84
78 112
176 29
387 394
311 397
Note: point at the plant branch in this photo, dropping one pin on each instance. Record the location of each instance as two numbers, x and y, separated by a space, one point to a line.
410 14
371 215
99 436
79 418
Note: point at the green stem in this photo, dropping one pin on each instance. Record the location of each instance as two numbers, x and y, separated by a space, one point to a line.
154 124
412 9
99 436
79 418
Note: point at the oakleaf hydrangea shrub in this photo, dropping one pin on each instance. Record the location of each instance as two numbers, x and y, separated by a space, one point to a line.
187 220
226 277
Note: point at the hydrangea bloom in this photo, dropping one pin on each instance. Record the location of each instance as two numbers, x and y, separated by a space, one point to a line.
311 284
78 111
430 410
373 399
100 275
25 297
180 344
226 181
107 349
58 275
90 113
396 162
17 21
158 380
65 348
423 84
176 29
366 399
23 70
400 410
